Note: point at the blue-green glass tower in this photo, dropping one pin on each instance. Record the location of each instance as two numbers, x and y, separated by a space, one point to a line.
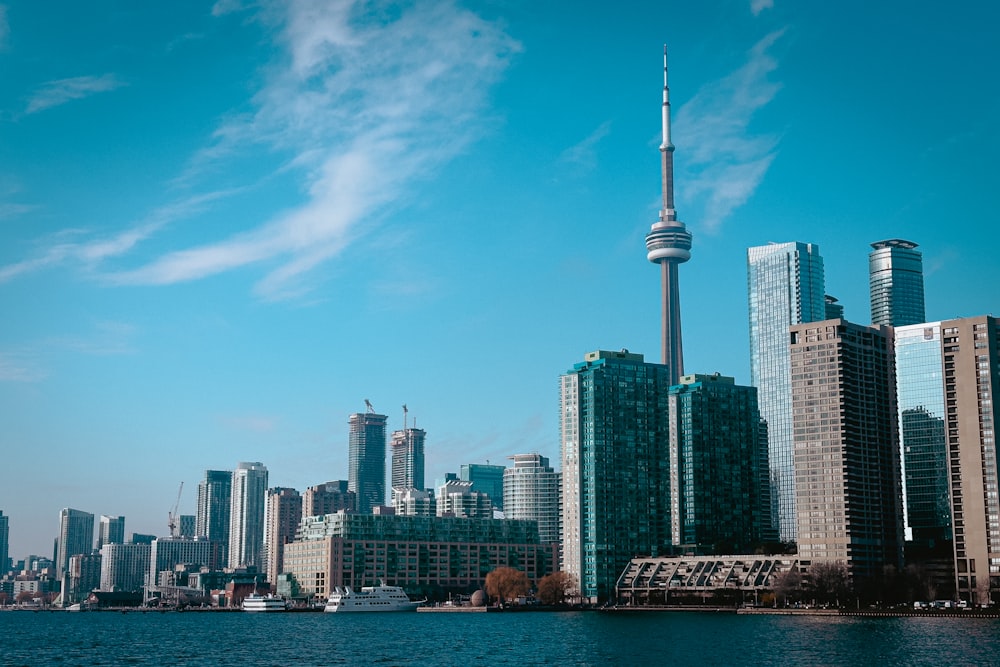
785 284
614 428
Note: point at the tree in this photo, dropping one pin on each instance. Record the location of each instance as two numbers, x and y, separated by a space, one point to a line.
788 587
506 583
555 588
4 598
25 596
831 581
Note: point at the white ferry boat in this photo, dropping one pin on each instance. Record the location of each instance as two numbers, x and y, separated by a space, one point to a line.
264 603
370 598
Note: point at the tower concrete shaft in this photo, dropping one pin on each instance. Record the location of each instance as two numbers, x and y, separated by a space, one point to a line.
668 244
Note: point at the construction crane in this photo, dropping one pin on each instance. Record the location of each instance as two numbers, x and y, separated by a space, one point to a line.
368 404
405 411
173 519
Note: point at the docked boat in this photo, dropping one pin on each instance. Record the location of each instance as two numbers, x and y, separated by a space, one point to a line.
264 603
370 598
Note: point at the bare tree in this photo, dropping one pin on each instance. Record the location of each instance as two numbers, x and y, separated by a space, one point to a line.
831 581
555 588
506 584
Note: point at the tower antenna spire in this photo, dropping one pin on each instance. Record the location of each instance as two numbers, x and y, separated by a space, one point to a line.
666 147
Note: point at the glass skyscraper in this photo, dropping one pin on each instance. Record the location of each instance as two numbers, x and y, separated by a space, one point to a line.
896 279
486 478
531 491
408 458
366 459
214 505
615 433
246 515
785 284
76 536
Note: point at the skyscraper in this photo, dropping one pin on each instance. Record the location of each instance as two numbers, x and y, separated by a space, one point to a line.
328 498
668 244
246 515
76 536
283 511
486 478
896 279
110 531
4 544
124 566
408 458
614 430
366 459
214 505
531 491
187 525
718 467
849 497
785 287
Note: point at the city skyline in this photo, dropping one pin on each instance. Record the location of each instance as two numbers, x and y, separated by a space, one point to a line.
151 193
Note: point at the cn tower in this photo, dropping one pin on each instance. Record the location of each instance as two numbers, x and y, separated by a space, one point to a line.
668 244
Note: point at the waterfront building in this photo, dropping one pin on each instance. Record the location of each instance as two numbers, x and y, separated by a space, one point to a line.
614 431
124 566
366 459
246 515
141 538
719 487
485 478
834 310
166 553
785 286
531 491
76 536
456 498
110 530
214 505
971 356
282 513
328 498
83 576
4 543
407 449
413 502
896 281
846 446
668 244
427 556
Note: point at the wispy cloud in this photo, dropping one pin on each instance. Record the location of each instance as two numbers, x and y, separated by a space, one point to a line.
365 104
253 423
4 27
727 161
20 366
584 153
757 6
55 93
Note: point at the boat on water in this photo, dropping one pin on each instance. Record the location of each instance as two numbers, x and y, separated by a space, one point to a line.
371 598
264 603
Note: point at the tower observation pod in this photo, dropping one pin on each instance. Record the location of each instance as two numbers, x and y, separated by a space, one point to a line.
668 244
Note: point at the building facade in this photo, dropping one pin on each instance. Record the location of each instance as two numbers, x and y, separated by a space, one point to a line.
896 281
486 478
531 491
76 536
282 513
456 498
414 502
111 530
166 553
719 487
786 286
427 556
214 505
408 458
124 567
83 576
328 498
366 459
614 432
846 446
246 515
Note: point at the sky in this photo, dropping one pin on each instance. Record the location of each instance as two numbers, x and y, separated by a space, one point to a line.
224 226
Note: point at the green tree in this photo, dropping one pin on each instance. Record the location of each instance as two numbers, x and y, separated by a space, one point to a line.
506 584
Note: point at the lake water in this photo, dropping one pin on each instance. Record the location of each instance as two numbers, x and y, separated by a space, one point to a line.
686 638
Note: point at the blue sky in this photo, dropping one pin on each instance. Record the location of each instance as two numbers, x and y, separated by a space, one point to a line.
222 227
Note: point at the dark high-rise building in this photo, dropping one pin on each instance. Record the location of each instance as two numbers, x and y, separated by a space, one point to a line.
614 430
366 459
4 544
846 446
668 244
786 286
834 309
110 531
896 279
408 458
721 497
214 505
486 478
76 536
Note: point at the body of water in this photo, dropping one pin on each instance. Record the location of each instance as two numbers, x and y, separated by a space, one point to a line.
583 638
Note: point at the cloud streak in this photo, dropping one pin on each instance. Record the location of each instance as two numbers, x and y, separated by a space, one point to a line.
726 161
757 6
61 91
365 107
584 153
